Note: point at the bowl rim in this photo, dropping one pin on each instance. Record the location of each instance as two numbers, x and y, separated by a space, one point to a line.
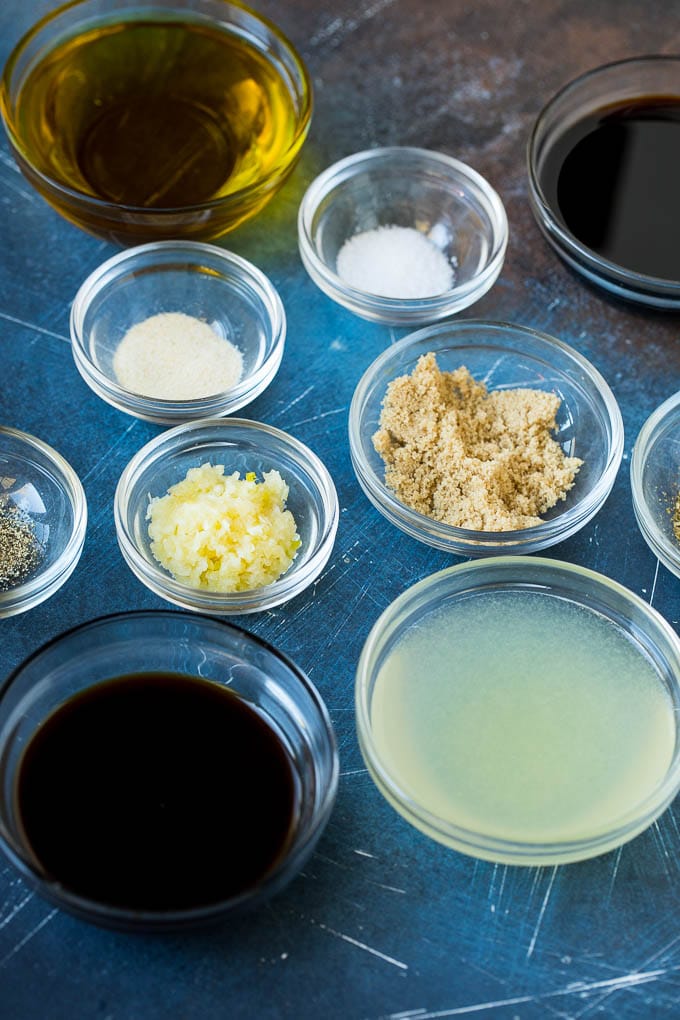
263 185
628 283
154 254
161 920
300 574
524 573
463 540
349 167
43 584
662 547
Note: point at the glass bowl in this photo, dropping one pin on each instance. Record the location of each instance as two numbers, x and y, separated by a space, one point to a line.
609 86
542 726
442 198
201 649
243 446
502 356
123 159
41 494
204 281
655 481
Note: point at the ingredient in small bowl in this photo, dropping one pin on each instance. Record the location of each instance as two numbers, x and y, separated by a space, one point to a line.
222 532
20 550
395 262
470 458
174 356
676 517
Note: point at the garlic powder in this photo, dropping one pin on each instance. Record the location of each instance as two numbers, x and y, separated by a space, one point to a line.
173 356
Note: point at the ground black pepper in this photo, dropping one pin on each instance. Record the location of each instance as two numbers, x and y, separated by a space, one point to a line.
20 550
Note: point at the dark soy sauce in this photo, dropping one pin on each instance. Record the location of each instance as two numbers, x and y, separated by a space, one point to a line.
612 178
157 792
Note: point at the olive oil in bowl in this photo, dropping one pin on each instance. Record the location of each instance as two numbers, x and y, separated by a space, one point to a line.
184 126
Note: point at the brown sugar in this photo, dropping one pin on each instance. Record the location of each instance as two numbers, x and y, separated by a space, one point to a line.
470 458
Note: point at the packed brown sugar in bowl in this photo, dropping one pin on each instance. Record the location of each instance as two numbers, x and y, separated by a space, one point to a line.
470 458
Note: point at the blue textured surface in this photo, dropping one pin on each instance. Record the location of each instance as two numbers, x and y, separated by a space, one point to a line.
383 924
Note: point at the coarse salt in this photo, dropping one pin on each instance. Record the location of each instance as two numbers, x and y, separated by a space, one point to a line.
395 262
174 356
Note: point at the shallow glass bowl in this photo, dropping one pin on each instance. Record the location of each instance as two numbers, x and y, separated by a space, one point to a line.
243 446
655 481
610 85
446 200
162 641
502 356
204 281
36 481
439 737
192 209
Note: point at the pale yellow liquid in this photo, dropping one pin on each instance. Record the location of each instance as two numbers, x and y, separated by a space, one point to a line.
523 717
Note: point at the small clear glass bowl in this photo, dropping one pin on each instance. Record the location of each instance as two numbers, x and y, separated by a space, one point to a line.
221 289
408 763
655 481
242 446
609 85
252 182
163 641
447 201
37 482
502 356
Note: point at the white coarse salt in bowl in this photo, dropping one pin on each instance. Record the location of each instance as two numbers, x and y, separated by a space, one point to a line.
402 235
177 330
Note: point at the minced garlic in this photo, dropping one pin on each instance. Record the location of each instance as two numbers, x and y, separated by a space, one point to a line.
223 532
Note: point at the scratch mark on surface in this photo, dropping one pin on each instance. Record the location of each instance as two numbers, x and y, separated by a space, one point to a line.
111 448
23 192
390 888
32 325
337 29
15 910
577 988
615 871
365 853
354 772
319 417
27 938
407 1015
362 945
294 401
651 594
541 913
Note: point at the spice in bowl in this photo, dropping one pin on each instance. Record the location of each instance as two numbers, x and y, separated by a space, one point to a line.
395 262
469 458
174 356
20 550
224 533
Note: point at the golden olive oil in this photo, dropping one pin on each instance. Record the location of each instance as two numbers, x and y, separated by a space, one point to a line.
155 114
524 718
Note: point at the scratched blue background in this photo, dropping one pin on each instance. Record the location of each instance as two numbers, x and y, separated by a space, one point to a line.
383 924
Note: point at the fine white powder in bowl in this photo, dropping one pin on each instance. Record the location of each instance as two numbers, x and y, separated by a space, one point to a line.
395 262
173 356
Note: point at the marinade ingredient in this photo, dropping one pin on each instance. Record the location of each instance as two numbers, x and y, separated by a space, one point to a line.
470 458
222 532
395 262
174 356
20 551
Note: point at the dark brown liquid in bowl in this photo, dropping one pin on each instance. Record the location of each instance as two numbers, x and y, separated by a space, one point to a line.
612 179
157 792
